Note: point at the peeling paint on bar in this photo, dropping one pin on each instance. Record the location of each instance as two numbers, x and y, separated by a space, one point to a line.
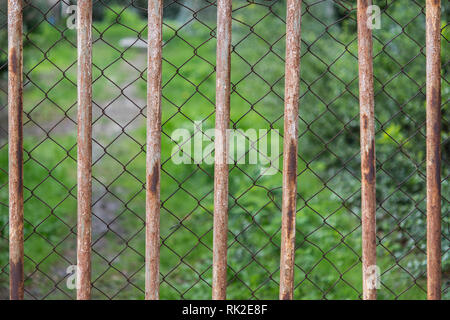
367 132
433 54
15 142
289 205
84 161
153 159
220 242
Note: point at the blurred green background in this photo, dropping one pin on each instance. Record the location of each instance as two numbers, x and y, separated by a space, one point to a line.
328 220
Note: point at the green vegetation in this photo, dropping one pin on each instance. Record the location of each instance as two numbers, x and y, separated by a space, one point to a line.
328 219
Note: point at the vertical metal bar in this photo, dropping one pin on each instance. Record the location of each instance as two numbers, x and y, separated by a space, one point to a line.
291 96
84 21
221 149
367 132
433 40
15 142
155 8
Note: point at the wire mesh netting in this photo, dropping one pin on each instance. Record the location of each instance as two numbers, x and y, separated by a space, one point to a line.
328 241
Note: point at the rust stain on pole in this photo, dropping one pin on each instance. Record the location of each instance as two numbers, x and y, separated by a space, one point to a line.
367 132
289 205
219 283
84 149
15 142
433 39
153 160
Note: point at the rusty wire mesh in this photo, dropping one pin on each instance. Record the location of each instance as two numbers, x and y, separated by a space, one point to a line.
328 254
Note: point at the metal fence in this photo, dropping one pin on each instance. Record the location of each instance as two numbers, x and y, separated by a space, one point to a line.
112 206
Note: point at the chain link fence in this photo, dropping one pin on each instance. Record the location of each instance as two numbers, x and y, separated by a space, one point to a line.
328 242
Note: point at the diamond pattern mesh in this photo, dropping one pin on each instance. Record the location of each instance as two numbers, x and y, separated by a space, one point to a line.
328 245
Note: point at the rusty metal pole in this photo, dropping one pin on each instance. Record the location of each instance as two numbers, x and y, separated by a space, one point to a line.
433 39
223 67
15 142
84 171
153 159
291 96
367 132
